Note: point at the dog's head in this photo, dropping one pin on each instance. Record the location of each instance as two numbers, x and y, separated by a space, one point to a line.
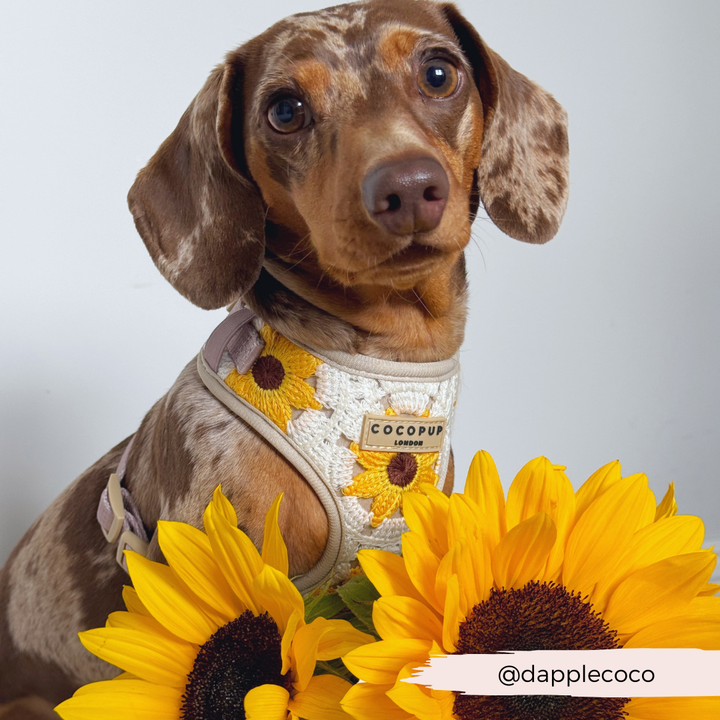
351 145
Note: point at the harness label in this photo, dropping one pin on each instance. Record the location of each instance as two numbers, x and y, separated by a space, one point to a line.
402 433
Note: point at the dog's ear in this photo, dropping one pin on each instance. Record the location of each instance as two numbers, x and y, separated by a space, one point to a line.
199 214
524 167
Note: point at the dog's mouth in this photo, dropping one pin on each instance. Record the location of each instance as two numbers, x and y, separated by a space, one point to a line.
401 269
416 253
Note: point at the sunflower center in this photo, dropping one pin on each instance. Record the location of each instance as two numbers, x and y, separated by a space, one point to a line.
539 616
402 469
268 372
240 656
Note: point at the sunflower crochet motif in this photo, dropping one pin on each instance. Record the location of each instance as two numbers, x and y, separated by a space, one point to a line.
388 476
276 382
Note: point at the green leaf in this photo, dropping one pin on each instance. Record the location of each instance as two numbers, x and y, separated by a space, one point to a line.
334 667
326 605
359 594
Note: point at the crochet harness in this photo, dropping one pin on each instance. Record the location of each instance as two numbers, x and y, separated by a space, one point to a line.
362 432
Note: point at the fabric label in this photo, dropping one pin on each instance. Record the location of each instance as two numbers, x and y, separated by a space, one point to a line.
402 433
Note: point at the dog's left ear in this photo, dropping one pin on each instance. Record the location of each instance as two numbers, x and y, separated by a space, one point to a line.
199 214
524 167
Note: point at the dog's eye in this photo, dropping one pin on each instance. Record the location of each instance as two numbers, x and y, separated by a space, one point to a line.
288 114
437 78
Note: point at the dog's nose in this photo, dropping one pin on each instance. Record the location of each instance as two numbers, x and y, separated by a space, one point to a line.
406 196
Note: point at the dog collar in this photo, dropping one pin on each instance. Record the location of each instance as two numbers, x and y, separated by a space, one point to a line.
362 431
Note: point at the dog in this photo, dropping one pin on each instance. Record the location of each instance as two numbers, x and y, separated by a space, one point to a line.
326 175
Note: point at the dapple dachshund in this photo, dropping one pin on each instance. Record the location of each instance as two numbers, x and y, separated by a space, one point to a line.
327 174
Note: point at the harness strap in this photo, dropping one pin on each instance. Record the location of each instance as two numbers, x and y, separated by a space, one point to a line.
119 516
338 400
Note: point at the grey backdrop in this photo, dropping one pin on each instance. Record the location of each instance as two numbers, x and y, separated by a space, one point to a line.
601 345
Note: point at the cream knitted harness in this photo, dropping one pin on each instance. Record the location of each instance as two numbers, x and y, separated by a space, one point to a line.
360 430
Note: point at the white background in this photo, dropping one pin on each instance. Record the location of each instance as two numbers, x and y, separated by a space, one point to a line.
601 345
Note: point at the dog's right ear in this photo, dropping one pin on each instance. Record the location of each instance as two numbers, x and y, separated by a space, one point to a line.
200 216
523 174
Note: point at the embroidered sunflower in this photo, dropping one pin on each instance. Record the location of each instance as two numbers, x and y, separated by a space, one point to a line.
219 632
276 382
548 569
388 476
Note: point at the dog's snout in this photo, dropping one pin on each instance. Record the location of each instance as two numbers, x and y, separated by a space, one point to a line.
406 196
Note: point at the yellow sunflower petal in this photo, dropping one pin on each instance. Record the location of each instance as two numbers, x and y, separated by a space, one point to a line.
295 621
132 601
189 553
321 699
538 487
415 699
370 702
267 702
466 521
667 507
427 516
697 627
522 554
659 591
396 618
662 539
710 589
144 653
458 562
112 700
452 617
387 572
339 638
236 555
446 701
543 487
304 652
476 571
422 567
141 623
278 595
677 708
596 485
223 506
650 509
484 487
603 532
162 593
274 549
380 662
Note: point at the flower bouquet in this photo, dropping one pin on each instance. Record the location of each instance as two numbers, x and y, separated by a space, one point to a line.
221 632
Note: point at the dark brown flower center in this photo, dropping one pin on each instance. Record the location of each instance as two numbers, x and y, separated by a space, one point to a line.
539 616
268 372
402 469
240 656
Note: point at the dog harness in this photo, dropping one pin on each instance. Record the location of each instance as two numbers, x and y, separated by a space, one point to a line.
362 431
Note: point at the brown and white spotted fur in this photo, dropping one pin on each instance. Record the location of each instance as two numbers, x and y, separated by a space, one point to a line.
229 207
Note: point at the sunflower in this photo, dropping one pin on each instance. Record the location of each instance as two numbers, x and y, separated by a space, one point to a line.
276 382
547 569
219 632
388 477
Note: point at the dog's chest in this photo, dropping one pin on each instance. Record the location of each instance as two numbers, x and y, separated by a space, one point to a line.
361 431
